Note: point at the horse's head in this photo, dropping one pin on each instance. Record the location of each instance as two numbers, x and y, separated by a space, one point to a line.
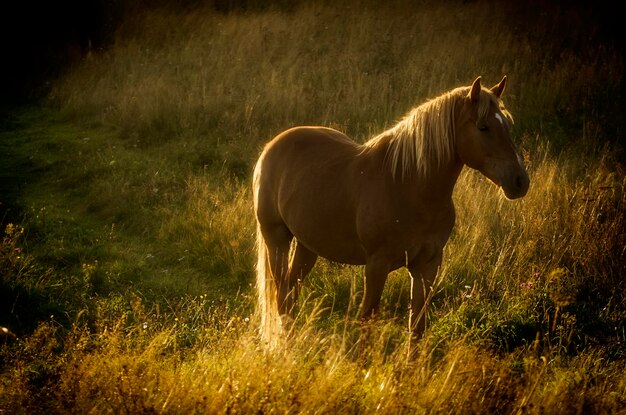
483 139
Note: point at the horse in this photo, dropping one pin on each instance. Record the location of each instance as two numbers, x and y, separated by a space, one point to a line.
385 204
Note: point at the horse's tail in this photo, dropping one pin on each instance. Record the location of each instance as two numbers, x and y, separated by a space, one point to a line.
271 327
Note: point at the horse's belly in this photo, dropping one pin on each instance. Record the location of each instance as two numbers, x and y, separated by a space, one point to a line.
327 230
343 251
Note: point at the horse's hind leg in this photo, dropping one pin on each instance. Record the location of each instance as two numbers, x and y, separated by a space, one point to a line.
287 275
301 264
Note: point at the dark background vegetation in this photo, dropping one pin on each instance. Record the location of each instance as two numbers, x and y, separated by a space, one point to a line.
40 39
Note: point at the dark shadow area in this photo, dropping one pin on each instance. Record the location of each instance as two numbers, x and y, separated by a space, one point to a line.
22 310
39 39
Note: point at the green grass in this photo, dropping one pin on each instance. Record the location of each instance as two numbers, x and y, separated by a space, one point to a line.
127 268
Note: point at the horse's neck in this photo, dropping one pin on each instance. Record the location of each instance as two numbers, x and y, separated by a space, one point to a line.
438 181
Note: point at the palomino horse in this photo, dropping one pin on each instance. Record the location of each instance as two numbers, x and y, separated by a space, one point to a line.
384 204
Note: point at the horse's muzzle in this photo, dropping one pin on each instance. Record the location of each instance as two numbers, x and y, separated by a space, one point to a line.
516 185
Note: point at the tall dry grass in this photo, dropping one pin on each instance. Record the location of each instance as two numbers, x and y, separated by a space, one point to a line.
225 80
133 368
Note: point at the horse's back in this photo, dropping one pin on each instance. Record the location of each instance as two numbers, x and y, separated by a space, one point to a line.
309 142
300 155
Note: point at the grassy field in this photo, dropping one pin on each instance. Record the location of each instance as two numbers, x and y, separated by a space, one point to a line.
127 253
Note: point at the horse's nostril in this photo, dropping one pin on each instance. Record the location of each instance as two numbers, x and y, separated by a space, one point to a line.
519 182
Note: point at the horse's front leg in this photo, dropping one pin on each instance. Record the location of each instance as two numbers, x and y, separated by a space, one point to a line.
423 271
376 270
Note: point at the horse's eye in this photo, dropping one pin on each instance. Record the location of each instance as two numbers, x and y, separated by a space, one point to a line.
483 127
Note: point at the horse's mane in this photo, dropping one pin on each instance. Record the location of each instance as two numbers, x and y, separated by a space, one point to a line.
424 138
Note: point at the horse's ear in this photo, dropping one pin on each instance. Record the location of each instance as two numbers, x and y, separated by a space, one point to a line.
499 88
474 93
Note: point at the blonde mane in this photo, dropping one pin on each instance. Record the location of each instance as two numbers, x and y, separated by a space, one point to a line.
425 137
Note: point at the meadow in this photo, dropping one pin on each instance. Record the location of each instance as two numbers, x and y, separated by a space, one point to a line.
127 254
